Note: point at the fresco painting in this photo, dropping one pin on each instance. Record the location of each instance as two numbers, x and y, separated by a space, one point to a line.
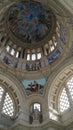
29 21
54 56
34 86
64 34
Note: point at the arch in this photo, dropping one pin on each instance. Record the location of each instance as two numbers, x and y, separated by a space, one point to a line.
9 101
58 83
15 89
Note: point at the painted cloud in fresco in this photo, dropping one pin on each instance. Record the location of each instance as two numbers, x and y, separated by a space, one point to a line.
30 21
34 86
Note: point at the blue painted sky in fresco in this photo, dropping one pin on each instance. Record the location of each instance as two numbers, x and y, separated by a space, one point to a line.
29 21
26 82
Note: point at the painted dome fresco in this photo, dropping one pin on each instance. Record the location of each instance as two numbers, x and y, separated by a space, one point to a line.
32 35
30 21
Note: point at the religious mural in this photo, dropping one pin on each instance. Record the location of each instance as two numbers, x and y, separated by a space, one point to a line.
34 86
63 41
63 34
54 56
29 21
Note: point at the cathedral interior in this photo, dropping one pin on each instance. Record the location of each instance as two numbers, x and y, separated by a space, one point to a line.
36 64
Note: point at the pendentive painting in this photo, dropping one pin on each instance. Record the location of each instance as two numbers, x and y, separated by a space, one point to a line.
34 86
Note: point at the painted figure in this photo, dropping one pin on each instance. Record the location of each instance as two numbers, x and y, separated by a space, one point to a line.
34 87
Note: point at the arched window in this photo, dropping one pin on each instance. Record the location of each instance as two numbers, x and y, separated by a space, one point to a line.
70 87
28 57
7 105
66 96
35 106
39 55
12 51
35 113
8 48
33 57
64 102
62 98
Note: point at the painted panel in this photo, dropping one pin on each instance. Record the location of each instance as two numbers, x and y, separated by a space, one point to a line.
34 85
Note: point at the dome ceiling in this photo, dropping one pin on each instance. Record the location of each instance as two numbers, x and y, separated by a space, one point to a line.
32 37
30 22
